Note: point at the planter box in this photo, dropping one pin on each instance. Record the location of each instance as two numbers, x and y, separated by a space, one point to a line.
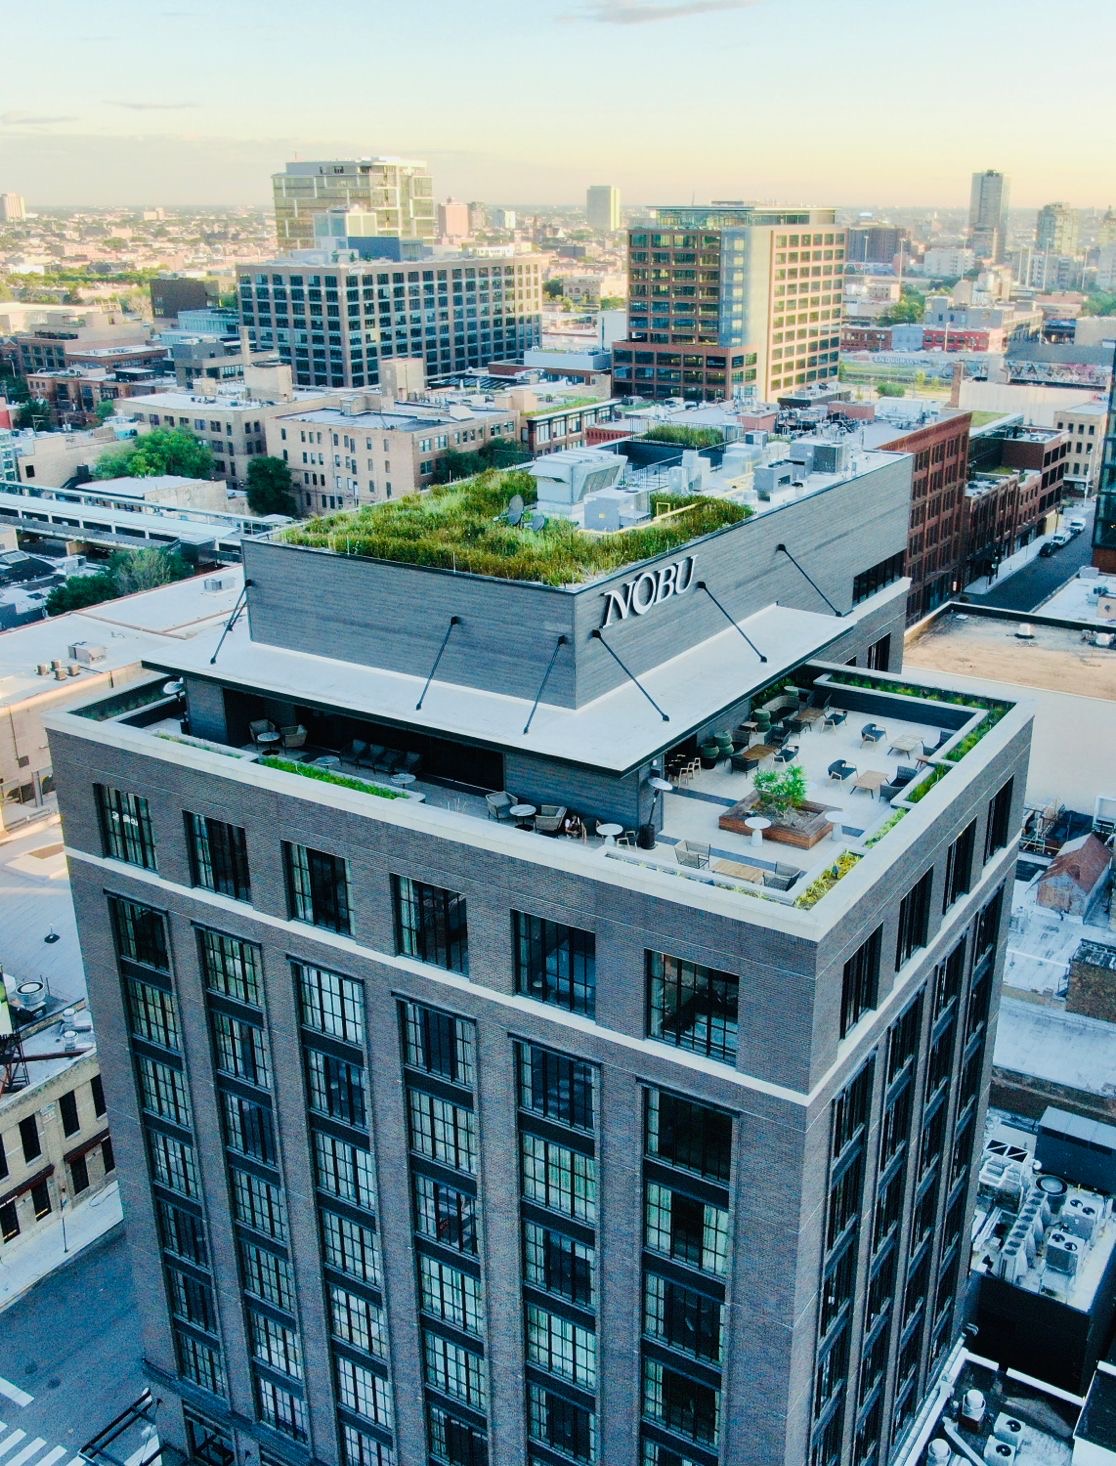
804 836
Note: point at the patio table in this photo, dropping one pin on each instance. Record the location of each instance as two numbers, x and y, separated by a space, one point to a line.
905 743
871 781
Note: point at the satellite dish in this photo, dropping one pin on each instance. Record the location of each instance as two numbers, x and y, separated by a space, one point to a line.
515 509
538 521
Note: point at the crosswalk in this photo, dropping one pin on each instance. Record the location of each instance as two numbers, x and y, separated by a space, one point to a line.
17 1448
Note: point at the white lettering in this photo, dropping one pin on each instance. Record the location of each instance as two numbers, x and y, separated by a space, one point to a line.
648 589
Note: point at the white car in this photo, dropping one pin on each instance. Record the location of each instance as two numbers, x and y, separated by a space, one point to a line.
1075 526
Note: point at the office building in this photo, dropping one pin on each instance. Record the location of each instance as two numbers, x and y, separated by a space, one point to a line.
336 322
171 294
1084 429
731 300
988 214
447 1135
1104 524
397 192
1057 229
13 208
602 206
876 244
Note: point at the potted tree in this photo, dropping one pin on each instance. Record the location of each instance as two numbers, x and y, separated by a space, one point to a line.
779 791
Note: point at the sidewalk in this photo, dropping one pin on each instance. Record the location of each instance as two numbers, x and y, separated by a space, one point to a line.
24 1263
1007 567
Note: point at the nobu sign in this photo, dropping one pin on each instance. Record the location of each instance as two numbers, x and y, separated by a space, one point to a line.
637 596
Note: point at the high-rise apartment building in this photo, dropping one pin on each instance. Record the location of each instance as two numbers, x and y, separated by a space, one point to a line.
335 322
988 214
397 192
13 208
731 299
1104 525
447 1135
453 221
1057 229
602 206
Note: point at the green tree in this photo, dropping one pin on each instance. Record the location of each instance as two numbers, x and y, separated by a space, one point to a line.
910 307
127 571
778 792
501 453
891 389
454 464
552 289
105 410
1100 303
269 487
164 450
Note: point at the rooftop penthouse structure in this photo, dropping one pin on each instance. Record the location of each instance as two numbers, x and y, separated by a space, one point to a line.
518 1091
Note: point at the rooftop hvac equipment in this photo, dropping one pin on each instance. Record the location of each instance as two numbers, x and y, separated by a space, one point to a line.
86 652
218 582
1008 1428
1063 1253
43 669
938 1453
1081 1216
972 1409
999 1453
1053 1190
1013 1261
831 457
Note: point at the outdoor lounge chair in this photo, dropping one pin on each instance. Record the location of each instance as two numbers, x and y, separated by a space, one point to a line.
840 770
390 761
550 819
692 854
294 736
872 733
355 751
371 757
499 804
782 878
743 764
904 774
261 725
411 764
787 754
834 718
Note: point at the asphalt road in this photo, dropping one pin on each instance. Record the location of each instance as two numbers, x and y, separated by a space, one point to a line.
72 1343
1029 587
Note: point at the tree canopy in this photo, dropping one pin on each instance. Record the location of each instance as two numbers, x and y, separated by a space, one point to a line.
269 487
125 572
909 308
163 450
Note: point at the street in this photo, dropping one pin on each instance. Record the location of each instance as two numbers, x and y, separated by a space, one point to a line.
1029 587
69 1357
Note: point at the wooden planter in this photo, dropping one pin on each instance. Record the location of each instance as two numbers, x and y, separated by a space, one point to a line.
803 836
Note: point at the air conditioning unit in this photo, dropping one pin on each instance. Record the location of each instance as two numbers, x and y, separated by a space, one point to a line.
1063 1253
1081 1216
86 652
1008 1428
1013 1261
999 1453
216 583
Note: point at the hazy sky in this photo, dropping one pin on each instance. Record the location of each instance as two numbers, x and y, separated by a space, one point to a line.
530 100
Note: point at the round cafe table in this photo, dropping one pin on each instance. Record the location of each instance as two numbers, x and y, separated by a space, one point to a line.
524 815
610 832
757 824
402 781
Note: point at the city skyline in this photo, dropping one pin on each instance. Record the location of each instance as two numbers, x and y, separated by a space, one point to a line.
146 134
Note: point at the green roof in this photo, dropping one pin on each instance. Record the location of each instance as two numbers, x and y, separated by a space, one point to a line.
462 527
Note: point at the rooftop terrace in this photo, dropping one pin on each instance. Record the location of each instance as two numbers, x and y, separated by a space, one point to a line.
465 527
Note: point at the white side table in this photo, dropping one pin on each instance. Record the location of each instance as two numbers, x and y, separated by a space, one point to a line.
757 824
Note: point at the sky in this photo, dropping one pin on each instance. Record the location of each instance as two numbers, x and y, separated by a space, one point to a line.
176 102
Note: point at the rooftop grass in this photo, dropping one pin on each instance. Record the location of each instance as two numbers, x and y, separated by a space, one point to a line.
461 527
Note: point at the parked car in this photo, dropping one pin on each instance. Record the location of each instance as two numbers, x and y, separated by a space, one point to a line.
1075 526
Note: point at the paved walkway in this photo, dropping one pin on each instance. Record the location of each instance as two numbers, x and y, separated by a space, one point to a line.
24 1263
1041 577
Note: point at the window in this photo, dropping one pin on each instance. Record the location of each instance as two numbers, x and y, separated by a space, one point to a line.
555 964
453 1369
172 1163
441 1130
97 1092
281 1409
689 1136
29 1138
181 1232
68 1110
258 1204
79 1175
40 1201
151 1013
230 966
555 1086
344 1170
267 1275
163 1090
274 1344
334 1087
562 1347
691 1231
9 1221
860 981
559 1423
998 830
363 1391
191 1300
317 887
358 1321
430 924
914 919
556 1177
330 1003
454 1442
691 1006
959 866
882 574
558 1264
851 1110
438 1043
126 827
200 1362
218 857
248 1128
680 1403
350 1247
451 1295
240 1049
140 933
445 1214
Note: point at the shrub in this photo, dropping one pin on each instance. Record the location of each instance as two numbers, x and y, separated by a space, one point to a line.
780 791
827 880
327 776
